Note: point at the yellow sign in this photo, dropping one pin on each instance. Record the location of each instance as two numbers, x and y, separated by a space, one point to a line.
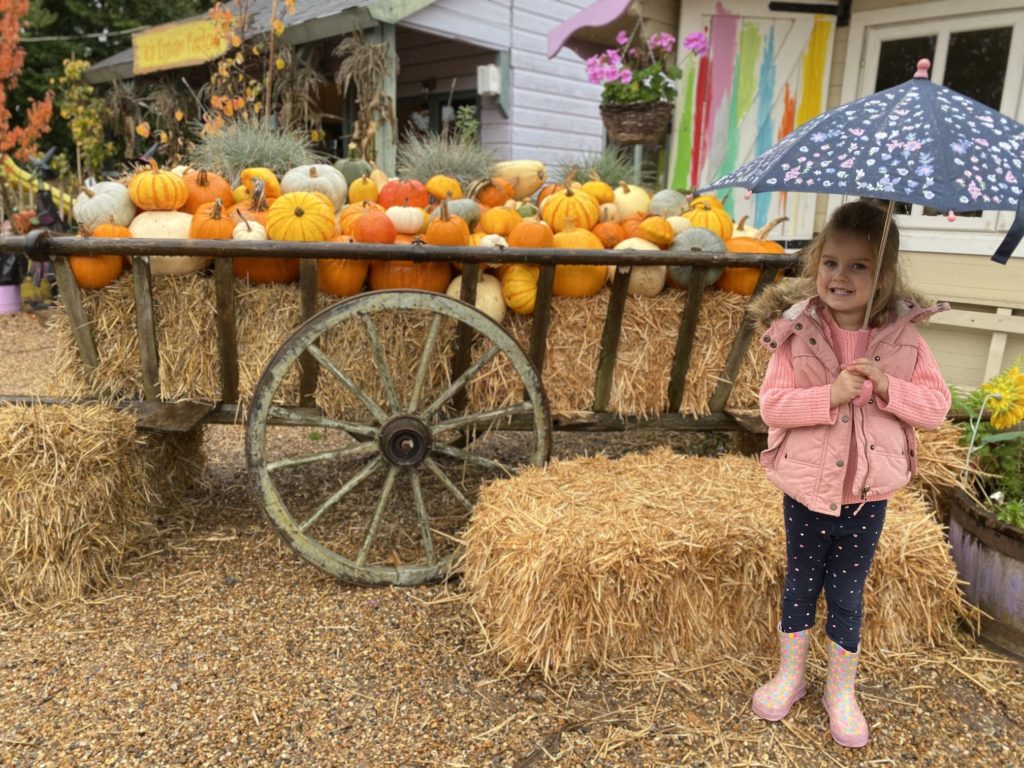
179 44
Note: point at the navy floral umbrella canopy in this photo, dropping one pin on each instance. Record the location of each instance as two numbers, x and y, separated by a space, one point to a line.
917 142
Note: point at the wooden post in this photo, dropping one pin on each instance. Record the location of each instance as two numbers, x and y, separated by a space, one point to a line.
145 321
610 339
384 139
227 341
541 316
308 366
80 327
462 353
685 339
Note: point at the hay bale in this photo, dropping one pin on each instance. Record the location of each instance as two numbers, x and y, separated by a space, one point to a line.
593 561
79 490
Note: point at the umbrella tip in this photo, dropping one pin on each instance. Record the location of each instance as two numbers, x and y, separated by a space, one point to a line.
951 216
748 194
922 68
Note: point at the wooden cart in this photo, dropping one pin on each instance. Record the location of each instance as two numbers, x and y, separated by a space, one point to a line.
428 444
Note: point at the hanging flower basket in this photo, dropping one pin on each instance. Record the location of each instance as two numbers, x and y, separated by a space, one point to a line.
637 123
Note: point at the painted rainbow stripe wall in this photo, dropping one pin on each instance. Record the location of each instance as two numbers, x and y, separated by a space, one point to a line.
764 74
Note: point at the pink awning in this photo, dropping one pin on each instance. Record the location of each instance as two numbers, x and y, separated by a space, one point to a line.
597 14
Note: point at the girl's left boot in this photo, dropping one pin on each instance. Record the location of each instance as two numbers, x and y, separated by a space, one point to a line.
846 721
773 700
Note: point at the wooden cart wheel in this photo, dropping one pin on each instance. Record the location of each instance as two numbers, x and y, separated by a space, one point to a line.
409 440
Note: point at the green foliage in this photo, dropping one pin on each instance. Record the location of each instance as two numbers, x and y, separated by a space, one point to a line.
611 165
423 156
245 144
467 126
1012 512
85 115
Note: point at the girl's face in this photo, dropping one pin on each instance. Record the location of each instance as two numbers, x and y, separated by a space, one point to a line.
845 273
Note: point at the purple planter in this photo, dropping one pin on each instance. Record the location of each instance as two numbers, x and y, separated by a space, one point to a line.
989 555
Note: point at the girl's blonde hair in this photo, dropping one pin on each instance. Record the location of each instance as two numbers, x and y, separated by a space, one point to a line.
866 221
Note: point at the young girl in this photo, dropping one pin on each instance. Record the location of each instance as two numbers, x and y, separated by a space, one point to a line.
836 462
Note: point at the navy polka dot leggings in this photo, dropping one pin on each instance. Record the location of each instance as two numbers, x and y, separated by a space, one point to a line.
834 552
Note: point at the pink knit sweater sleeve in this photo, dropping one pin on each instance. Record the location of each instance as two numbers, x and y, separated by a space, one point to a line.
923 401
786 406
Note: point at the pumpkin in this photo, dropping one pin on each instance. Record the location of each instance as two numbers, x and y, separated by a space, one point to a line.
743 280
96 272
630 199
657 230
341 277
578 279
547 191
240 193
301 216
353 167
709 200
447 230
168 224
155 190
695 239
527 209
499 221
644 280
271 185
568 204
257 270
631 224
209 222
443 188
362 189
519 287
373 226
424 276
599 190
399 192
610 233
253 208
102 202
667 202
489 298
318 177
377 176
466 209
407 219
531 233
609 212
248 230
678 223
525 176
351 213
742 229
205 187
710 217
492 192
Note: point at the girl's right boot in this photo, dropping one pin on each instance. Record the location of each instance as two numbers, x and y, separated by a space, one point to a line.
773 700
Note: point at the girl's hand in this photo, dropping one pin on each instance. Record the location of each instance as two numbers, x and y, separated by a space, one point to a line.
846 387
868 370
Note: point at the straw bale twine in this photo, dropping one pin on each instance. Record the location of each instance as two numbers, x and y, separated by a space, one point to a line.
593 561
79 489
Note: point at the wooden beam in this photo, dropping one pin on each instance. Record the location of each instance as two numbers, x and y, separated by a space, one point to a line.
227 341
80 327
309 369
541 316
685 339
610 339
145 325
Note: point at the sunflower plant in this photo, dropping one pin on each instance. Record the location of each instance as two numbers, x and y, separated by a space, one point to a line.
994 436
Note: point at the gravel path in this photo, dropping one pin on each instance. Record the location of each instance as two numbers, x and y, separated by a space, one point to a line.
223 648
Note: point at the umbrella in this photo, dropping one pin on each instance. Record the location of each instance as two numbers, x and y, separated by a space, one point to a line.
917 142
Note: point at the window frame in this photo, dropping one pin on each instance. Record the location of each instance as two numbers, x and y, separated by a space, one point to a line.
868 30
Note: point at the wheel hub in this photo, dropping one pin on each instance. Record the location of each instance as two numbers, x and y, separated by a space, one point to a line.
405 441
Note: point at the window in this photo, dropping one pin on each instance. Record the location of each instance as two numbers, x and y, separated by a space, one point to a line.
979 54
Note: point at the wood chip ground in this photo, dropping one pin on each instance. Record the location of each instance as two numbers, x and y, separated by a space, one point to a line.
222 648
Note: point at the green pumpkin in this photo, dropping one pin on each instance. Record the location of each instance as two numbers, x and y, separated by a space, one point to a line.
695 239
466 209
352 167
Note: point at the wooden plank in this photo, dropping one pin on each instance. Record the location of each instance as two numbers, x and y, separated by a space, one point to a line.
996 349
738 351
145 324
227 341
80 327
748 418
610 339
684 341
309 369
541 317
462 352
173 417
1002 321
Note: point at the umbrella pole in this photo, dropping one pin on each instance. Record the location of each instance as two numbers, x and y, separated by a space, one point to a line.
878 262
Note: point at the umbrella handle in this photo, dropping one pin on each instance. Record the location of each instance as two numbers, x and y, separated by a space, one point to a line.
866 391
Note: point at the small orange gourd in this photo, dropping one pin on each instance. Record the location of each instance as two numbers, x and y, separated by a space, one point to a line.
531 233
499 221
743 280
373 226
205 187
209 222
446 229
94 272
578 279
657 230
341 277
424 276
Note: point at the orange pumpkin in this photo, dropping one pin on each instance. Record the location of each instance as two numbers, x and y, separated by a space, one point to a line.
657 230
425 276
442 187
399 192
499 221
205 187
373 227
548 190
209 222
631 224
447 230
254 209
95 272
610 233
269 180
531 233
570 204
263 271
341 277
743 280
578 279
351 213
153 189
493 192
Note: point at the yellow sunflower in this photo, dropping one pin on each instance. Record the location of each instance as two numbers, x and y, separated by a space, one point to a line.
1005 398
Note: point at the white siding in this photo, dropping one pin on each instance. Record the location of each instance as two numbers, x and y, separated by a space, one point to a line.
481 22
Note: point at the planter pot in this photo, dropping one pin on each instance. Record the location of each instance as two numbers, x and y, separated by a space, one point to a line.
10 299
989 555
641 123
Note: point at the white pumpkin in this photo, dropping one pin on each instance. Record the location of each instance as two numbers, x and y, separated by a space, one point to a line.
488 295
249 230
678 223
630 199
408 219
608 212
646 280
102 203
668 202
172 225
494 241
325 179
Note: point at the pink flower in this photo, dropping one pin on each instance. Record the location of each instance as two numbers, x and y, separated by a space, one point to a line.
697 42
622 38
626 76
662 41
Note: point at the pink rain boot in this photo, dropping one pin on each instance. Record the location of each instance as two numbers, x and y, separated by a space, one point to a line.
847 723
773 700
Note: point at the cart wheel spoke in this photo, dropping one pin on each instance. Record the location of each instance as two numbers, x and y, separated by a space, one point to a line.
362 449
351 386
283 415
484 418
448 483
382 365
468 456
378 513
339 494
424 364
424 518
460 382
